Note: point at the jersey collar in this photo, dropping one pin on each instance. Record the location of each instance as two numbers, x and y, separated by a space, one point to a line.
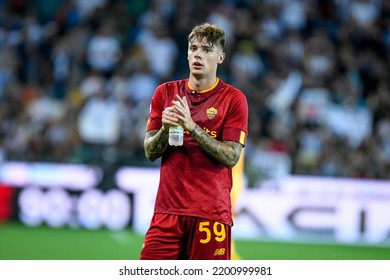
206 90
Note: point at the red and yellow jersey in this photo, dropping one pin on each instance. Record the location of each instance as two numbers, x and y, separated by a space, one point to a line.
191 182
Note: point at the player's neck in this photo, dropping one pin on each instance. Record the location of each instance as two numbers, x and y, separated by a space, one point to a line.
202 84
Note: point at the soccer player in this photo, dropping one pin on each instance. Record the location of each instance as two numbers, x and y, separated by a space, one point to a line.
193 213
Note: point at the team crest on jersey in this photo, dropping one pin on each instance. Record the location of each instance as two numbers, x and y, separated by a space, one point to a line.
211 113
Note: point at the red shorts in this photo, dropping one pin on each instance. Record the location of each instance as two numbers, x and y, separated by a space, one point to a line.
174 237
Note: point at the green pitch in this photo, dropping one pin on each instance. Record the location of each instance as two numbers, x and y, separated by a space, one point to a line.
18 242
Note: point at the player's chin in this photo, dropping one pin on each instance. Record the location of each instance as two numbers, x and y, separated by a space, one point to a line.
197 72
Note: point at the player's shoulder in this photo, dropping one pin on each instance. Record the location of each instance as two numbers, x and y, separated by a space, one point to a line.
169 88
173 84
234 91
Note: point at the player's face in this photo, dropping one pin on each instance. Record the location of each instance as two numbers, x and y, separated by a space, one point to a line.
203 58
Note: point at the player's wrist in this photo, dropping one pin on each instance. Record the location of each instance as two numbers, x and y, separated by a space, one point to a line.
193 129
165 129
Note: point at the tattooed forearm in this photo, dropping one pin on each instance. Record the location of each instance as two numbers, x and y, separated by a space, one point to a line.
227 152
155 143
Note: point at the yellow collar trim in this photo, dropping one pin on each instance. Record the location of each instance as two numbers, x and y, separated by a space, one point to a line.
206 90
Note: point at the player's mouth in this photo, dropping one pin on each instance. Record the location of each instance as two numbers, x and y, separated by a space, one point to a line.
197 65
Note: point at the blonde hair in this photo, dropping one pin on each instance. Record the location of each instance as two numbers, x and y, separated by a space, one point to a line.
212 33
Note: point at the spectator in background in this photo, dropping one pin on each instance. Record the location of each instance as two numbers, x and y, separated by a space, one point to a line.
8 67
352 109
92 83
99 127
61 69
60 138
86 8
246 59
318 61
141 84
160 50
293 14
364 13
104 49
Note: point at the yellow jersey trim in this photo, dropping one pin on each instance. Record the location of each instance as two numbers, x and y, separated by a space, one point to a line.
206 90
242 138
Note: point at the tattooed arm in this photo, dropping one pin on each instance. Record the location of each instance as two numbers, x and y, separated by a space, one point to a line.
226 152
155 143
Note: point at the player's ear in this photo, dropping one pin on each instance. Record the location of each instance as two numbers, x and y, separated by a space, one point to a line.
221 57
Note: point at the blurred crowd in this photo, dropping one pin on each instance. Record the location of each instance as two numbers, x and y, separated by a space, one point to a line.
76 78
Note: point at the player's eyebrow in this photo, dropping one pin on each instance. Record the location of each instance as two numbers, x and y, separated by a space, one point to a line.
202 46
202 42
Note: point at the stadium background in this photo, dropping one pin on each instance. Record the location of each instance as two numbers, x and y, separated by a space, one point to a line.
76 78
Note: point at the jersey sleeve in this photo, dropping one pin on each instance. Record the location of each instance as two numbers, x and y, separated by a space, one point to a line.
156 109
236 126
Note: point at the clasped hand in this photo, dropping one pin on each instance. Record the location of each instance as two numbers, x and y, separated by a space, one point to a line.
178 114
